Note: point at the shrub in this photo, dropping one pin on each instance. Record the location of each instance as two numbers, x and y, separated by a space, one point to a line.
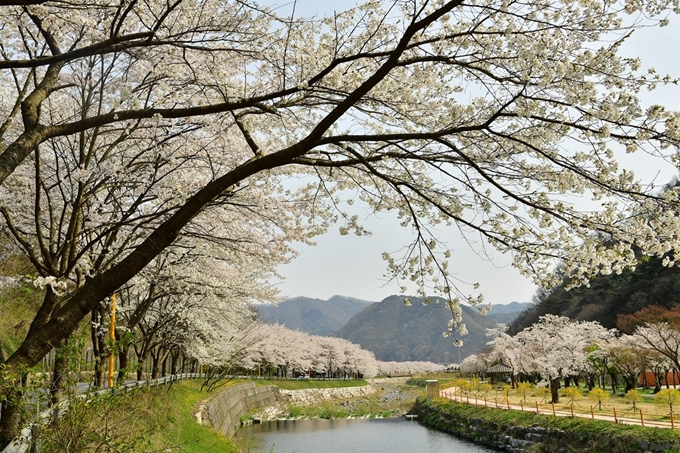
667 397
598 396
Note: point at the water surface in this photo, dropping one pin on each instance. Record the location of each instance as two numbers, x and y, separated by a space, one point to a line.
354 436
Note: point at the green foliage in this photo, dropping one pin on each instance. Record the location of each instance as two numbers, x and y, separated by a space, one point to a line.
299 384
461 383
295 411
598 396
101 425
183 432
608 296
543 393
331 411
18 305
146 420
633 397
416 382
667 397
484 388
446 415
524 388
572 393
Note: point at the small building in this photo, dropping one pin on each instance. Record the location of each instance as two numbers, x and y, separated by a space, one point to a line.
499 371
647 379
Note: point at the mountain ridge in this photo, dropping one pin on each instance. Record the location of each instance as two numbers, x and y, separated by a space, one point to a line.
311 315
388 328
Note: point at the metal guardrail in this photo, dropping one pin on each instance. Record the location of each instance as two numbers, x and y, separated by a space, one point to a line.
22 443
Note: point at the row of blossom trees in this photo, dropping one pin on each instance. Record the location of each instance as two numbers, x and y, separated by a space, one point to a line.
126 127
556 349
275 350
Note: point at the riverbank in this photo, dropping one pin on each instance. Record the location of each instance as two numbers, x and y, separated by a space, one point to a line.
381 398
518 432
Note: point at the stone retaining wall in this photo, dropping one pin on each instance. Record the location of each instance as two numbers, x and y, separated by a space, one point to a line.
315 396
225 410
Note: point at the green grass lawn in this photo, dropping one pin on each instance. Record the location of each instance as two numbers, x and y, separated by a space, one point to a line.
300 384
183 433
156 419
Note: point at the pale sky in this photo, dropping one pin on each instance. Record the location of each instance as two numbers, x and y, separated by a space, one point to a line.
352 266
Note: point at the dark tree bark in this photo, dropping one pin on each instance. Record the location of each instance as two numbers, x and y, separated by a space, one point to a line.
59 373
554 390
123 360
54 324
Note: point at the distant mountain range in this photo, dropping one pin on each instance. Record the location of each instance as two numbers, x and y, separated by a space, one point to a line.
505 314
313 316
391 330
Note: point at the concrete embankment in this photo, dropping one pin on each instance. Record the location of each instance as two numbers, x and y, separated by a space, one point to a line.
224 411
538 433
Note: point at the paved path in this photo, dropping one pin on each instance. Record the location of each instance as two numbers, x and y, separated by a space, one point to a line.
450 393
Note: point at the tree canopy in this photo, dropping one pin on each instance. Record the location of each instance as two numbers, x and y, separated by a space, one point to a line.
125 125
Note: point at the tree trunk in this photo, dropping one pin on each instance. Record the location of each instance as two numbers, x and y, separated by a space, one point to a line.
175 362
98 347
141 361
630 384
10 420
615 382
59 373
658 379
123 356
554 390
154 366
10 417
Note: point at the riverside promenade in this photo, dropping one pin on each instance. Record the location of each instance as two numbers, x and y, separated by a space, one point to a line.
455 394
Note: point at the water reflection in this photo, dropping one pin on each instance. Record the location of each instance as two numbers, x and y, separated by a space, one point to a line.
354 436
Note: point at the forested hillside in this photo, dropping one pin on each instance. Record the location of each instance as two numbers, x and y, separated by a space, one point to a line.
313 316
609 296
393 331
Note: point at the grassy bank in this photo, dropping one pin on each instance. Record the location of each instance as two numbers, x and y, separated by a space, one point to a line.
301 384
161 419
575 434
144 420
393 398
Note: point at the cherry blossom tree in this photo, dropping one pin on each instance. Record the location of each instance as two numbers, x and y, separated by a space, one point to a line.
661 338
289 351
475 364
553 348
481 116
627 356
